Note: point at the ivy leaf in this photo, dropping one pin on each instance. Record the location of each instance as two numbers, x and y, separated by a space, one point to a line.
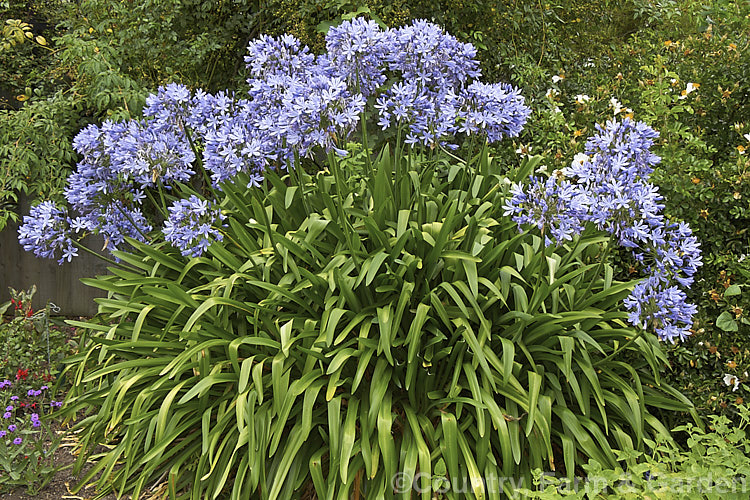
726 322
732 290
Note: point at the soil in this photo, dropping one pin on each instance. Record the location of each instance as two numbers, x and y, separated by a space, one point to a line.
60 485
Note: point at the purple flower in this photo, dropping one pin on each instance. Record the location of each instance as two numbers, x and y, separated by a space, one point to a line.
9 408
608 186
55 404
46 232
190 226
655 304
17 441
12 428
429 117
496 111
14 398
550 205
423 53
3 434
283 56
148 153
44 388
358 51
7 414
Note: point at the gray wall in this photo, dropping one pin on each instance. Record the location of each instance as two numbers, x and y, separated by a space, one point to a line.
60 284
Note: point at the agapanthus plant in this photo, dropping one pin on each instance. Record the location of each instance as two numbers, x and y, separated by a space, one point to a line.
299 319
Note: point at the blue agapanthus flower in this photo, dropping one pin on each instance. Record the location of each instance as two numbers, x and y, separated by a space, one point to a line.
191 225
358 52
149 154
424 53
608 186
656 305
555 207
495 110
46 232
422 80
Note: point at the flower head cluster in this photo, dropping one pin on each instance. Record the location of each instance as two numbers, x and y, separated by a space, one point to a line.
428 117
298 102
45 231
358 51
549 205
170 106
190 226
148 153
497 110
608 186
423 53
423 81
664 308
284 56
436 97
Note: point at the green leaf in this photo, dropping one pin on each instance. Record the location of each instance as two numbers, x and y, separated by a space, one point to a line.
732 290
726 322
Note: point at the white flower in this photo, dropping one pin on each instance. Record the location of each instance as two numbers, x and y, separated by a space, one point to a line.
557 78
550 94
582 99
690 88
542 168
589 64
557 110
730 379
615 105
524 150
579 159
747 137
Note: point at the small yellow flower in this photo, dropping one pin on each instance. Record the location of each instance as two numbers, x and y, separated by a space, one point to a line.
732 46
668 43
731 365
741 149
696 180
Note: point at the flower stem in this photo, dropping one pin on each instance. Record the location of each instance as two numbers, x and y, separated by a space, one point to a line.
334 164
621 348
598 268
102 257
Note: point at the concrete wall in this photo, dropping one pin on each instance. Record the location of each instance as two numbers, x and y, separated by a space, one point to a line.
60 284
